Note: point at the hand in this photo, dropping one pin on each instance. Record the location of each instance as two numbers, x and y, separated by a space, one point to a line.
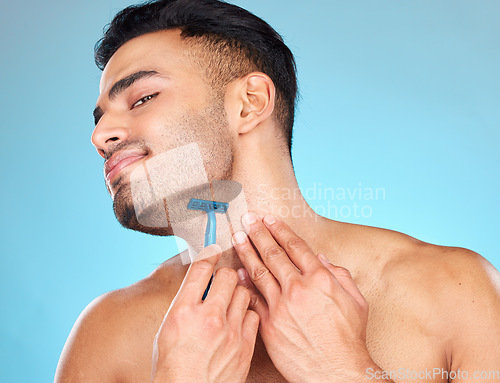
312 316
211 340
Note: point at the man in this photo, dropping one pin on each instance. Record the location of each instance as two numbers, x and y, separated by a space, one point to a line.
391 309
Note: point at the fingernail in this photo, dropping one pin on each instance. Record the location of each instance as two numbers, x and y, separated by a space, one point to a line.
239 238
269 219
249 218
241 274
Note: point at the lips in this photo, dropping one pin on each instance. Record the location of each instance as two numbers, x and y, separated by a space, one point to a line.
121 160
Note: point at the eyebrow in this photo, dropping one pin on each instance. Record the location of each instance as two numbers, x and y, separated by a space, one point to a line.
120 86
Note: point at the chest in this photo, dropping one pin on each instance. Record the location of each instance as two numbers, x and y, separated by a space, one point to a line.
398 342
404 342
402 349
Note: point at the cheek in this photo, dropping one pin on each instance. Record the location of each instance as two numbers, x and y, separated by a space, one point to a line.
156 129
167 125
217 151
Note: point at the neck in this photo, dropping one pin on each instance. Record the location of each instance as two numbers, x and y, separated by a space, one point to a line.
266 173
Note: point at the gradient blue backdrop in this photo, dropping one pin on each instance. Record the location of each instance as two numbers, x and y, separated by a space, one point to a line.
402 96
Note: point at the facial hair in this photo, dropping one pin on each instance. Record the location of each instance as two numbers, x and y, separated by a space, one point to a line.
209 129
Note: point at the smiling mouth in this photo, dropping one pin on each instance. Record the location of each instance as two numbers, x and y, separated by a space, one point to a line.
120 161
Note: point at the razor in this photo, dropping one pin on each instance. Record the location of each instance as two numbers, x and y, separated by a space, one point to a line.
209 207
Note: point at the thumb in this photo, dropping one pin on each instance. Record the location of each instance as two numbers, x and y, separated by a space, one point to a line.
210 253
344 278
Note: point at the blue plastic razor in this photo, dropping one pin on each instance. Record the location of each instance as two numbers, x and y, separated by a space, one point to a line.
210 207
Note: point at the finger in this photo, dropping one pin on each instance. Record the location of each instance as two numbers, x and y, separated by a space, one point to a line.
238 306
259 273
344 278
257 302
297 249
274 256
208 252
250 328
222 289
197 277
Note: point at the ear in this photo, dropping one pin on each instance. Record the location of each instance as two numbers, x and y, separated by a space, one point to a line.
249 101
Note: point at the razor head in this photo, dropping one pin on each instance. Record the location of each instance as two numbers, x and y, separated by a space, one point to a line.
207 206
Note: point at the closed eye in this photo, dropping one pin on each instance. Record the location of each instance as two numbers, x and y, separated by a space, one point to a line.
144 100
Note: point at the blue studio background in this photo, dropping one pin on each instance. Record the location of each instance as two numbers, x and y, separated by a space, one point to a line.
397 98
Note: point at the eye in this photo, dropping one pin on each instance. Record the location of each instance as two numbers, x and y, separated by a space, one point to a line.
144 100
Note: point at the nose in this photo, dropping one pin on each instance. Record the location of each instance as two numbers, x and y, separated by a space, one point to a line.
108 132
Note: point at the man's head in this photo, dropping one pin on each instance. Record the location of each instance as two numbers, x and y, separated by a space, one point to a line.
227 42
182 71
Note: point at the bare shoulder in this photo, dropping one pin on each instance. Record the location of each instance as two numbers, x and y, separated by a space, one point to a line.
459 280
464 293
428 270
449 294
117 327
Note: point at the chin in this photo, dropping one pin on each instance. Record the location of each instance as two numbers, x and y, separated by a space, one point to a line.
125 213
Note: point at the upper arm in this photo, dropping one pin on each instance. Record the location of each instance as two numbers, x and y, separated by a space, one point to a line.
475 323
88 353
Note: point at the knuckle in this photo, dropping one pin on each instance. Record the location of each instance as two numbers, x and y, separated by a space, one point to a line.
258 272
324 278
296 291
272 252
278 228
296 244
214 322
255 300
246 252
258 233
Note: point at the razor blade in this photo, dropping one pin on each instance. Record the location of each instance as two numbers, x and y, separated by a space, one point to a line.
207 206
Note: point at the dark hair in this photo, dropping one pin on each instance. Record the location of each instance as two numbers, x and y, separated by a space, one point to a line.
232 34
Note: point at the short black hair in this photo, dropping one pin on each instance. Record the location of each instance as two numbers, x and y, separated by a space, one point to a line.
225 30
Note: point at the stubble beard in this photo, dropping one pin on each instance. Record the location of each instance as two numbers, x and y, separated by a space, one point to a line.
209 129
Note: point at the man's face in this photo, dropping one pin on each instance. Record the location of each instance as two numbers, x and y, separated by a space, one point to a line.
153 99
